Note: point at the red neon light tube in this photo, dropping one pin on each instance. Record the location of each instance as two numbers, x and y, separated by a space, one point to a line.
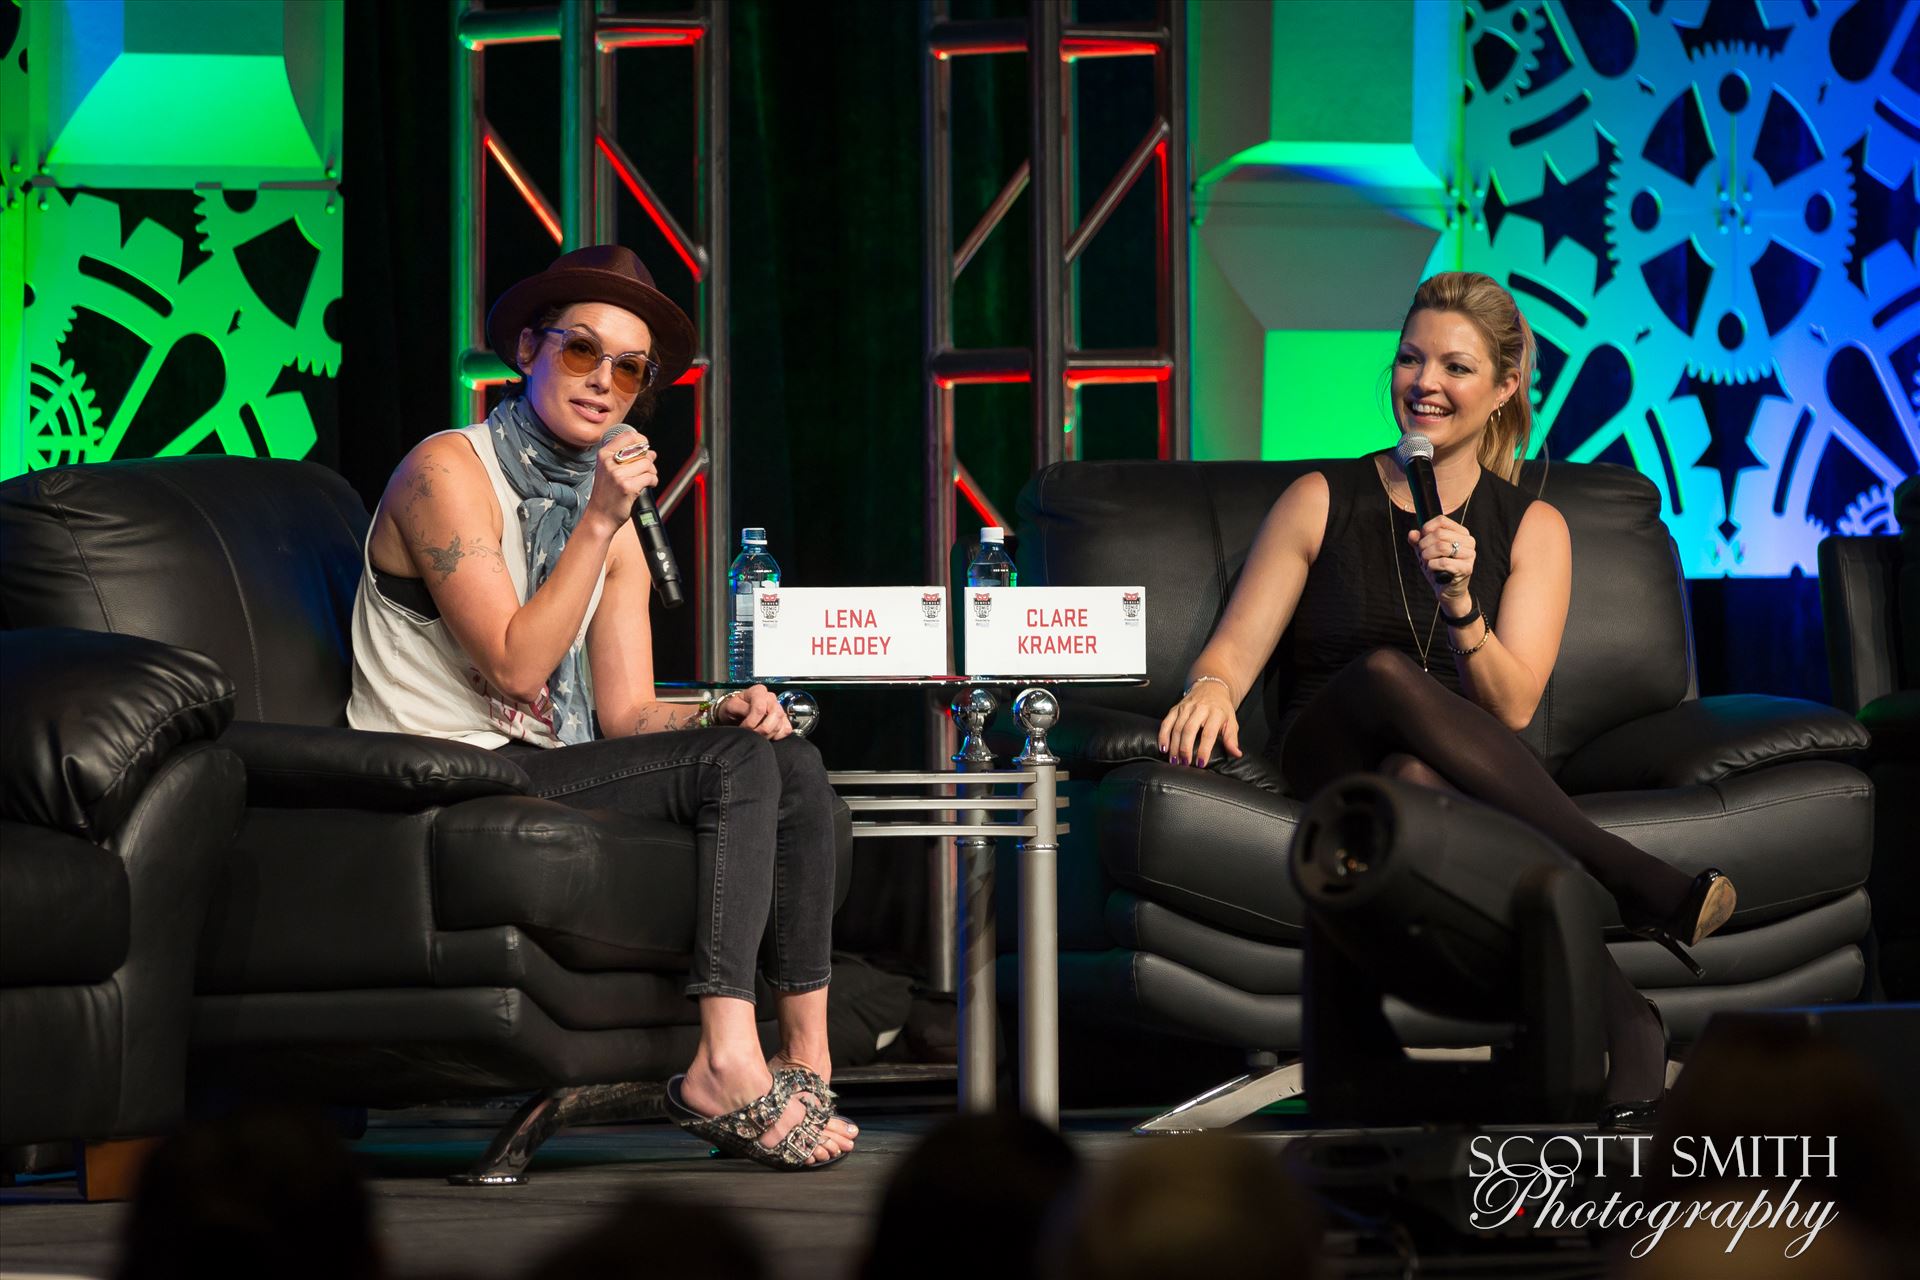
528 192
631 181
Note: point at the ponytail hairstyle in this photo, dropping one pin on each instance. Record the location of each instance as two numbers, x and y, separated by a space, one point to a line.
1509 338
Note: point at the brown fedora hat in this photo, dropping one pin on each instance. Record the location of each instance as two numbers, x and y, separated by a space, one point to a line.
608 273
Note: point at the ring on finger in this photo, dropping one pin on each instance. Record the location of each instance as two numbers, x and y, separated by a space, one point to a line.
633 451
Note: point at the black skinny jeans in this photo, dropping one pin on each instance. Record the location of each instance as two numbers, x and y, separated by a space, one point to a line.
762 817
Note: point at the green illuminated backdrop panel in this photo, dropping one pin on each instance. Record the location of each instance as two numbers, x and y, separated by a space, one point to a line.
172 211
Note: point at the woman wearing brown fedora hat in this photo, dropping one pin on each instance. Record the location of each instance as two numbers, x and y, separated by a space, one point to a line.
504 603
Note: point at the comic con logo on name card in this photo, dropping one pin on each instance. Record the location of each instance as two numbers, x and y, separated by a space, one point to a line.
1130 606
770 606
983 605
932 605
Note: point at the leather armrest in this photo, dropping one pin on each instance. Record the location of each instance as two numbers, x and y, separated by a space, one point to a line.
1099 738
1089 739
1092 740
91 716
297 766
1709 739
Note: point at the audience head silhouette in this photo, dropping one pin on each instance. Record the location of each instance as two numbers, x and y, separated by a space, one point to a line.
1206 1205
971 1200
259 1191
653 1237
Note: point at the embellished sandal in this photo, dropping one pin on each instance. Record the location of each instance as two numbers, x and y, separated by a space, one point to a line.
738 1133
805 1080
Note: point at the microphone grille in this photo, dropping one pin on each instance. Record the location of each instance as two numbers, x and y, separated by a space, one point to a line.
614 433
1412 447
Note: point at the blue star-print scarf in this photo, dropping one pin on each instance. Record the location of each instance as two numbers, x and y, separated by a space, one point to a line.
552 482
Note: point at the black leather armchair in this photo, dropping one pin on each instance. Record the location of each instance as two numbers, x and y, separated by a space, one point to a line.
1870 603
116 807
1177 913
396 922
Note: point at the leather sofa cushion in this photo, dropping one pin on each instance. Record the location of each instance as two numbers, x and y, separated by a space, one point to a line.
1711 738
1215 849
1272 968
64 909
1212 848
293 766
252 561
597 890
90 717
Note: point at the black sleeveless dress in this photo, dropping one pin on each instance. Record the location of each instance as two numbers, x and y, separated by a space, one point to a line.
1351 605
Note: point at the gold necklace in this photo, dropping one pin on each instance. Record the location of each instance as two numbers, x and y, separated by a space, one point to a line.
1400 574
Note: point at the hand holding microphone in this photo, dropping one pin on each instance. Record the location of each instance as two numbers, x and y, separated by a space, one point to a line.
646 518
1446 551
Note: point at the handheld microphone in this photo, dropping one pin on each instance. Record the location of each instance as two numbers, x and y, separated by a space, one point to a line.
653 536
1416 459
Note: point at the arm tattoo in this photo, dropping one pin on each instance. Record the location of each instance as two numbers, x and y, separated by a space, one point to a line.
446 559
423 482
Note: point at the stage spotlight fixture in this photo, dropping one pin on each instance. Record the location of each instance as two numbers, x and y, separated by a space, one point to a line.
1462 913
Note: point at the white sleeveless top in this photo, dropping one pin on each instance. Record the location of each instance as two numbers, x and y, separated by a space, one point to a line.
411 676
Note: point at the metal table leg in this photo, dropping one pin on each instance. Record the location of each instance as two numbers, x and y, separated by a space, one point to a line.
1038 711
974 926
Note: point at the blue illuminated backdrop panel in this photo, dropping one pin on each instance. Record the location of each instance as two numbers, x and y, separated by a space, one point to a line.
1709 210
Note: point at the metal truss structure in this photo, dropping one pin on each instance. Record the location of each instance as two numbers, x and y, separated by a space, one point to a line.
593 170
1054 364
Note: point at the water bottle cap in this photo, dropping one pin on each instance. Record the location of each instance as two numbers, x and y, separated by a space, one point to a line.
993 533
753 537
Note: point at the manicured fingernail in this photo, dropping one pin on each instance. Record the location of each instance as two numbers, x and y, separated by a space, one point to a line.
1203 762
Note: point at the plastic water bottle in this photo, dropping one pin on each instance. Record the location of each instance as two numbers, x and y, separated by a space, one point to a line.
752 568
991 567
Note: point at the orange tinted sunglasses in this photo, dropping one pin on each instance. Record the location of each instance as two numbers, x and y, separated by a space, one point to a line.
579 354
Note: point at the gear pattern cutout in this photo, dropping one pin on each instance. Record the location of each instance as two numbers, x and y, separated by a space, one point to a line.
1870 514
143 345
1709 210
62 425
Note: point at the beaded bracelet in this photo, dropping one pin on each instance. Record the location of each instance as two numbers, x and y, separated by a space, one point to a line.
705 717
1468 653
1200 680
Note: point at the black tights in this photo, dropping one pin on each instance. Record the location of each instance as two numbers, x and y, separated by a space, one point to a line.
1383 714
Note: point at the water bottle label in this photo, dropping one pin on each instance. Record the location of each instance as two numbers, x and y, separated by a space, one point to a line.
743 607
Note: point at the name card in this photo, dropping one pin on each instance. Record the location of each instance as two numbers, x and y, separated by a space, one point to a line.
849 631
1055 631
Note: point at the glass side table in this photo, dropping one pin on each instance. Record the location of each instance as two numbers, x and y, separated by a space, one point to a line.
1031 818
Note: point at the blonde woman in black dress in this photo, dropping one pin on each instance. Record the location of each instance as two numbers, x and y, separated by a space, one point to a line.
1399 667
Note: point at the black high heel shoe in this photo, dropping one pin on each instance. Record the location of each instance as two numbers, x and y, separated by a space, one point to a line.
1708 905
1641 1114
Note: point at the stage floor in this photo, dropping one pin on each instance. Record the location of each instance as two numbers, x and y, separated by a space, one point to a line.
431 1230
